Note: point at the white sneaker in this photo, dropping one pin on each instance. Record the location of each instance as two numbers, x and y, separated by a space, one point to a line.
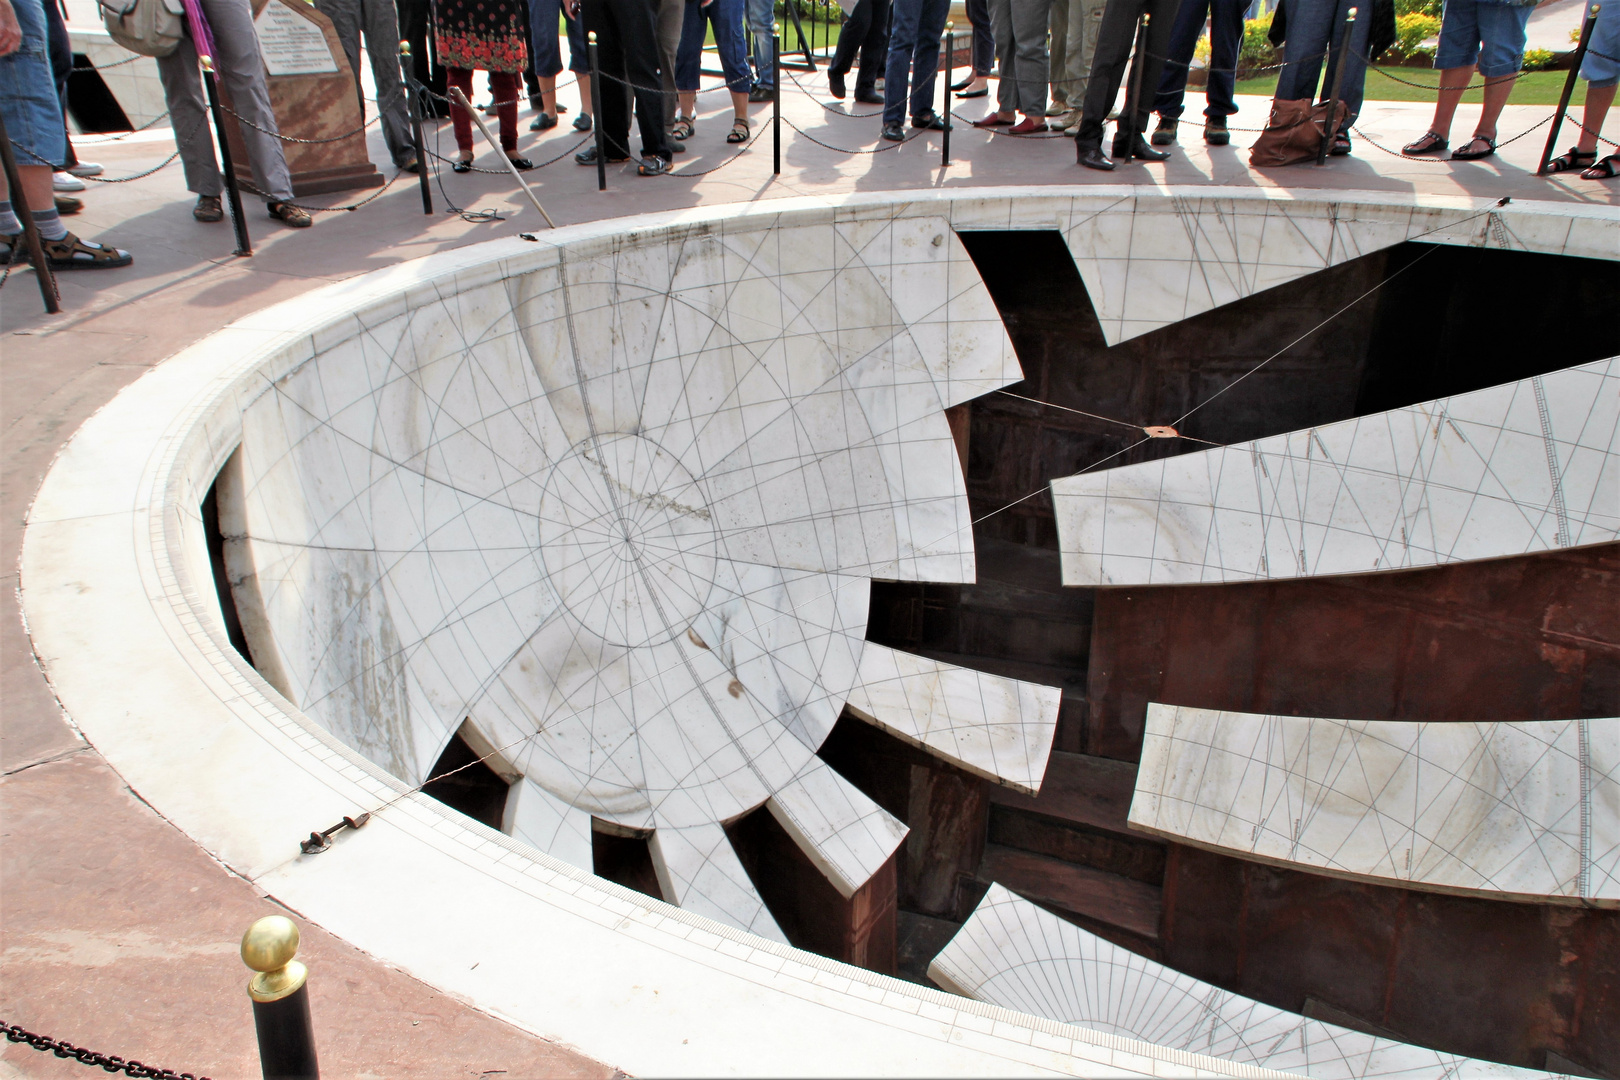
86 168
1070 119
66 182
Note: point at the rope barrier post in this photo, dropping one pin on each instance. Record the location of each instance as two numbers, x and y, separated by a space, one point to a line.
596 109
1126 131
413 105
495 144
776 100
280 994
1569 86
19 205
233 194
1330 128
950 52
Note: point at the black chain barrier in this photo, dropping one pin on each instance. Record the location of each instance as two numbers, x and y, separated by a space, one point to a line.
109 1062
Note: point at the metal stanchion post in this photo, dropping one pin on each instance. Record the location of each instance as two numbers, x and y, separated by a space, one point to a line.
1330 127
945 113
776 100
596 108
495 144
1126 131
233 194
414 109
280 1000
19 205
1569 86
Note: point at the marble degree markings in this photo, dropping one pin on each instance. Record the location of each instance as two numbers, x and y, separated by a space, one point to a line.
619 516
1014 954
1525 810
1524 467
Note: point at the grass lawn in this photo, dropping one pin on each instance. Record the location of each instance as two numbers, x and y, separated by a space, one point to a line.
1534 88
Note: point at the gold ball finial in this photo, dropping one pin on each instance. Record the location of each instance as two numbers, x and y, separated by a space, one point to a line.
207 62
950 26
591 37
268 947
270 943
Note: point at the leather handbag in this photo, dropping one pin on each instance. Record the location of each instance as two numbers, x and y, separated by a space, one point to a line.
1294 133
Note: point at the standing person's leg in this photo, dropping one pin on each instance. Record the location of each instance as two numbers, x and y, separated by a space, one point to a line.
242 69
1353 84
1115 37
61 54
188 115
984 42
1502 40
345 16
1136 113
689 60
1225 43
1310 23
925 63
380 24
850 39
637 24
545 52
507 88
730 43
1057 56
460 121
905 16
671 16
1001 24
761 15
874 53
1601 70
579 65
602 20
1170 100
1030 19
531 77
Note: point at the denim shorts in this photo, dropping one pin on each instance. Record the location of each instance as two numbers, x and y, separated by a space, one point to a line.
543 43
1479 30
28 100
1599 68
730 42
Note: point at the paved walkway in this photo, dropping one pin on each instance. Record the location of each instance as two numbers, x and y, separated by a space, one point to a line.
118 932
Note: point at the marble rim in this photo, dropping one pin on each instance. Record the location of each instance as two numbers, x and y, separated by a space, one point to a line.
120 624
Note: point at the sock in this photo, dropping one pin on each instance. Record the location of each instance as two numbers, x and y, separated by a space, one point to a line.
9 225
49 223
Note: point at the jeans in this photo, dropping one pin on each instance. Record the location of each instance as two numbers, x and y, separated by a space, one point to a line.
1225 36
914 52
1312 24
1021 45
544 46
425 69
726 16
761 13
867 31
984 36
28 100
627 49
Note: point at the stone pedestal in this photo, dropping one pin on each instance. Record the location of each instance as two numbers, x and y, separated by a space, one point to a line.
314 97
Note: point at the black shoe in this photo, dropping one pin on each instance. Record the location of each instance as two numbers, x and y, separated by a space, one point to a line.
544 122
1215 133
582 122
928 121
1165 133
653 166
1341 146
964 84
521 164
894 133
761 93
588 157
868 97
1137 147
835 84
1092 157
461 166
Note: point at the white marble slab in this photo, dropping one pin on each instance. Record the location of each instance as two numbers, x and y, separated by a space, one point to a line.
1523 811
132 79
698 870
1524 467
847 835
1013 953
995 727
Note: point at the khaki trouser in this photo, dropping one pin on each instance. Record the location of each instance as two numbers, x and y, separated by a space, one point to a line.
1074 43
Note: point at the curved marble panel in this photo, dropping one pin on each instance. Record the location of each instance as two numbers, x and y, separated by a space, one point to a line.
1514 469
1013 953
1520 811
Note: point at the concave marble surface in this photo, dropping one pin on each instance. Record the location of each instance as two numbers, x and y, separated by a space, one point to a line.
1524 810
1514 469
1013 953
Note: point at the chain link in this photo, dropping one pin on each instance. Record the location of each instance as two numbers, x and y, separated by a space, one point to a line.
109 1062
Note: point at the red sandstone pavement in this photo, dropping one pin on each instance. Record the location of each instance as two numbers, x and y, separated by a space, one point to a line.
116 931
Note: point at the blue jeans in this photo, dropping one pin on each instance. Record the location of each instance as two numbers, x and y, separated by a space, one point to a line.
1312 25
544 46
1491 33
28 100
1225 36
760 15
727 17
914 51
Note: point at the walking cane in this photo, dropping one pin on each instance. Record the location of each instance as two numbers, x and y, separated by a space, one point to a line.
1569 86
19 205
414 109
233 194
495 144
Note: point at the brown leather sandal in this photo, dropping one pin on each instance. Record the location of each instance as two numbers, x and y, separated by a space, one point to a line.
71 253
